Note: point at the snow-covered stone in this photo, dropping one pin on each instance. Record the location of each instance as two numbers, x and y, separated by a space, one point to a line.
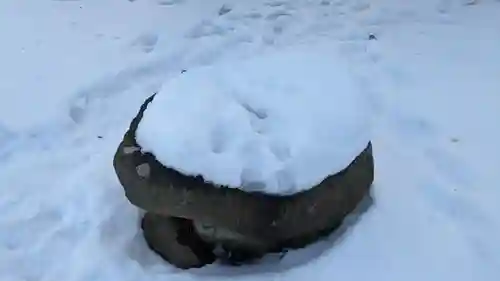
245 224
278 123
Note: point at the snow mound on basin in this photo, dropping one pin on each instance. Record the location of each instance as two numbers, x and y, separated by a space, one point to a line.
277 123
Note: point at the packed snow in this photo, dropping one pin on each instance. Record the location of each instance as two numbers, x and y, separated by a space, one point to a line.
74 73
277 123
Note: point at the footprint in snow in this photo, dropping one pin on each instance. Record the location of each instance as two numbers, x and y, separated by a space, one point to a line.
23 233
257 117
450 203
7 138
5 134
450 167
416 130
340 3
170 2
280 150
250 15
259 113
412 128
249 182
276 15
225 9
276 3
360 6
220 136
146 42
207 28
285 177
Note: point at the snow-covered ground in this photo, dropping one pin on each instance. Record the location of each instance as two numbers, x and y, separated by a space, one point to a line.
73 74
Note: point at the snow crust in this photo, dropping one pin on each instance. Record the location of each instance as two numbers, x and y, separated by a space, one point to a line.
278 123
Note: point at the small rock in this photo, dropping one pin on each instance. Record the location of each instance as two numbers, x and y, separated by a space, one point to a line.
372 37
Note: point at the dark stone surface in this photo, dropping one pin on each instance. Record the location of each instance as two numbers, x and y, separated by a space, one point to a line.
176 241
248 219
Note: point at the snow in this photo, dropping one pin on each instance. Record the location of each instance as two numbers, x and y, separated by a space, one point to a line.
277 123
430 78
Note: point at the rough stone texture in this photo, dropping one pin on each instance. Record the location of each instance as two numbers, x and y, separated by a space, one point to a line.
176 241
242 220
236 247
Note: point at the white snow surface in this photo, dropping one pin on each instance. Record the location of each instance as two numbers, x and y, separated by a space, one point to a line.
277 123
74 73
